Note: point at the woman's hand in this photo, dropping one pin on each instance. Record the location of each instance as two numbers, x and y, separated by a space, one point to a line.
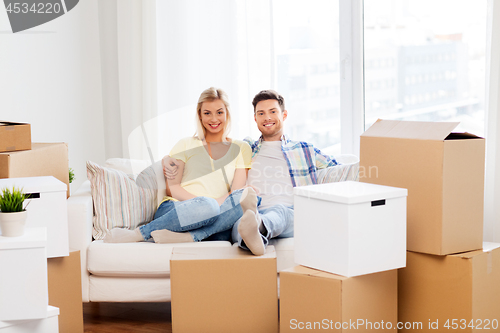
221 200
170 167
174 184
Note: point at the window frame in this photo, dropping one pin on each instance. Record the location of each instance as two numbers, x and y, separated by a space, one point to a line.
351 50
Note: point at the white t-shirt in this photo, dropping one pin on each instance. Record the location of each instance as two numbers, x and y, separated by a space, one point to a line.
271 176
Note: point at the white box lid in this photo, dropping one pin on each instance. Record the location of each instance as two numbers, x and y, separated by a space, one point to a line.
350 192
32 238
35 184
52 311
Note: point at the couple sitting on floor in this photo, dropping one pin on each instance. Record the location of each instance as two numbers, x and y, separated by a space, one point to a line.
219 188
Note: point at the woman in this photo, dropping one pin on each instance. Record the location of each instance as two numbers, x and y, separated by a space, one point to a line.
206 195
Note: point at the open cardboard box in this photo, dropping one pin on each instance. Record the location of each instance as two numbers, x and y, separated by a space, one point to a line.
444 175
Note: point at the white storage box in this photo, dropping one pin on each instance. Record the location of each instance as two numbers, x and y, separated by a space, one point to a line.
23 276
350 228
45 325
47 208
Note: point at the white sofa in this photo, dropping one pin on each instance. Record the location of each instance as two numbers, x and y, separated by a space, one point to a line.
140 272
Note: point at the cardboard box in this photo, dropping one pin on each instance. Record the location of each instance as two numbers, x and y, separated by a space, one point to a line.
44 159
312 300
350 228
444 175
23 276
223 290
65 291
47 207
459 290
14 136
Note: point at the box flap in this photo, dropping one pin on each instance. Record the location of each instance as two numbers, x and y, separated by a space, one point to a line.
218 253
422 130
313 272
350 192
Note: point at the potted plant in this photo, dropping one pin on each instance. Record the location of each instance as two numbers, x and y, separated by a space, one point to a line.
12 213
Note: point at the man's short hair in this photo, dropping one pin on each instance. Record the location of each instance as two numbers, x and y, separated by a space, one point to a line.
265 95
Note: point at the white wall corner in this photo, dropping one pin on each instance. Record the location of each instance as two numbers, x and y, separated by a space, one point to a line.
492 126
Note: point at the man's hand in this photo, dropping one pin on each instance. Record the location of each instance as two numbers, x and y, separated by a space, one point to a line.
170 167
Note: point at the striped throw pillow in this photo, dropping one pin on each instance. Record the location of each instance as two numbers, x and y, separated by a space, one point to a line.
119 201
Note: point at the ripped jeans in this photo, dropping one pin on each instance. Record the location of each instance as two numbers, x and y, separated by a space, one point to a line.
200 216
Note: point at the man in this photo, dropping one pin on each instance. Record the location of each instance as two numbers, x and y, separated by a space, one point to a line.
278 165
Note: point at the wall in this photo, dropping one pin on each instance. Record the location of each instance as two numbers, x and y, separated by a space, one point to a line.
50 77
492 125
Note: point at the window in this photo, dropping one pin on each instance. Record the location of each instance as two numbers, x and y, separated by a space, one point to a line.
245 46
438 50
410 60
306 36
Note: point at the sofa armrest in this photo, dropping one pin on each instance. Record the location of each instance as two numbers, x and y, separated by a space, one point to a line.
80 213
348 169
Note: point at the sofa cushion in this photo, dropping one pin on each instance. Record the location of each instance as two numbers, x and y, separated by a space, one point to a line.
142 259
119 201
132 289
284 253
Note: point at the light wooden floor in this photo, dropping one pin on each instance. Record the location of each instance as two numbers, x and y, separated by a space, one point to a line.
127 317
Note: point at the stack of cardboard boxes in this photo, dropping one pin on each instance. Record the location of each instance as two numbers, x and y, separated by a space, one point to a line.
42 170
350 238
19 157
452 279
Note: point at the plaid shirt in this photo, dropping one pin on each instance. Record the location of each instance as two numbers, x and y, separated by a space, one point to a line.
302 158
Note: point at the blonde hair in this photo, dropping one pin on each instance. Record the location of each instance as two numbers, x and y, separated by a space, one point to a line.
209 95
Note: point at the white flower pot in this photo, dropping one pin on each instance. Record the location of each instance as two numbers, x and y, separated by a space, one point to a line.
12 224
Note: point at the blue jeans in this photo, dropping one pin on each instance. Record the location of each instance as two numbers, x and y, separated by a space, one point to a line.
277 220
201 216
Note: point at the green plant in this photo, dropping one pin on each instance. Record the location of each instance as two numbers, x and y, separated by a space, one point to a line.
71 175
12 201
